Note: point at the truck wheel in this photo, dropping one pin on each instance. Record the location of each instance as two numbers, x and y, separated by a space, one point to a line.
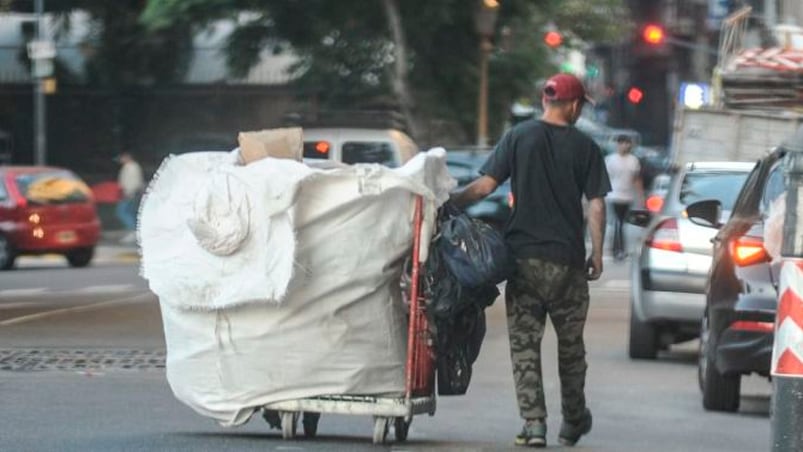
643 341
720 392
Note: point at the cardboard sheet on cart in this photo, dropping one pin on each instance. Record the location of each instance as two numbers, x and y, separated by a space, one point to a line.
338 328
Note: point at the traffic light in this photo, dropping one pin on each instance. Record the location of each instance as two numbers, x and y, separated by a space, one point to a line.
653 34
553 39
635 95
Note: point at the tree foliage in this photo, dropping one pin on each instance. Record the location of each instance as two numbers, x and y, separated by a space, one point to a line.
120 50
346 49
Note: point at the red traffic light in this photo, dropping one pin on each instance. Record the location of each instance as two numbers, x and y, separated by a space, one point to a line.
635 95
553 39
653 34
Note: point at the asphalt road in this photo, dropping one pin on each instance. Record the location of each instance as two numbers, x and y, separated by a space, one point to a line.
77 320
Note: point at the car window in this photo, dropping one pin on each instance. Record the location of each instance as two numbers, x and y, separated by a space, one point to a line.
317 149
3 190
368 152
775 186
700 185
462 172
53 187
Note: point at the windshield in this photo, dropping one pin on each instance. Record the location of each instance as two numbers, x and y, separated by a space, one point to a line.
53 187
722 186
368 152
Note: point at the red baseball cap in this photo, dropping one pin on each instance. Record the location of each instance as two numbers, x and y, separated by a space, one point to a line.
565 87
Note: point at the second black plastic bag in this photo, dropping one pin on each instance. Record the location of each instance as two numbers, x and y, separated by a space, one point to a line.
475 252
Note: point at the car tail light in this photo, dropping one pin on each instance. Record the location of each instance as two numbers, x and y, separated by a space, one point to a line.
511 200
654 203
750 325
665 236
748 251
322 147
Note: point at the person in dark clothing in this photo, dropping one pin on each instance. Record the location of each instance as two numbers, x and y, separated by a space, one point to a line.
552 166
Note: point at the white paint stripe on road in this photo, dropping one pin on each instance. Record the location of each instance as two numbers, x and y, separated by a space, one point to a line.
22 292
23 304
109 288
616 284
88 307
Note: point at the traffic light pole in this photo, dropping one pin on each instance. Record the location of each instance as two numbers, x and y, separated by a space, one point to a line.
40 116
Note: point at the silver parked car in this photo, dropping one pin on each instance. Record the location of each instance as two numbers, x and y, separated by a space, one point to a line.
669 273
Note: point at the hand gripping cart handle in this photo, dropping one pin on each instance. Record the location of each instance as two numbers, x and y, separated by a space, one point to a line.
419 394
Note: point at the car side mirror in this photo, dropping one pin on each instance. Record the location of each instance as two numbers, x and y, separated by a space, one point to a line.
640 218
705 213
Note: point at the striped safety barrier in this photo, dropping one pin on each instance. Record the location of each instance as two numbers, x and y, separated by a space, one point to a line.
787 353
775 58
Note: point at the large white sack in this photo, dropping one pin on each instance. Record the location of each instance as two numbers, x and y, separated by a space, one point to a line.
215 234
340 328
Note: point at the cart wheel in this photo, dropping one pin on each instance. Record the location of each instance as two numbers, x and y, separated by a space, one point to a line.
310 423
289 424
400 428
381 429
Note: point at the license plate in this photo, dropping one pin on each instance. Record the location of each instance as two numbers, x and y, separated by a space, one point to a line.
66 236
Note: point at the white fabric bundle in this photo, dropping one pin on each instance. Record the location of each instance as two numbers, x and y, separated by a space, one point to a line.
325 247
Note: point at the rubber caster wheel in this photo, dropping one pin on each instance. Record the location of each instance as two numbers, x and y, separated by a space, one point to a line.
289 421
310 424
400 428
381 425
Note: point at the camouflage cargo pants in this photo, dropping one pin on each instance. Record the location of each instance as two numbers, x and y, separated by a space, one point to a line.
539 288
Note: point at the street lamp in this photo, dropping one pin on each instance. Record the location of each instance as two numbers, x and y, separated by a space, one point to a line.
485 22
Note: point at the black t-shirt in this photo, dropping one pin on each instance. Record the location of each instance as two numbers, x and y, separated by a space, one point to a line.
551 167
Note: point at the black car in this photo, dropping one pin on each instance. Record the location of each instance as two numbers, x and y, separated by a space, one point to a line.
464 166
742 289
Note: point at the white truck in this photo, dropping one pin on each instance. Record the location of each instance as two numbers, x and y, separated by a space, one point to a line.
729 135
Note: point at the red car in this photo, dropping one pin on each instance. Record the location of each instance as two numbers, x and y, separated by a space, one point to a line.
46 210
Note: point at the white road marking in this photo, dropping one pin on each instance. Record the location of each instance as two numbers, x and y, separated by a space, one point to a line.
22 304
109 288
83 308
616 284
22 292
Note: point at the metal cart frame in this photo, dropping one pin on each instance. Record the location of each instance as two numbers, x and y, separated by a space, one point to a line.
419 394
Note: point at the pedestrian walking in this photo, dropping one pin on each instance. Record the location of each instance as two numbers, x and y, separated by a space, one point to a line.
624 170
132 183
552 166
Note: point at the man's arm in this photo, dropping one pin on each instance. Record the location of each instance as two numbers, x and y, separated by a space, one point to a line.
474 191
596 228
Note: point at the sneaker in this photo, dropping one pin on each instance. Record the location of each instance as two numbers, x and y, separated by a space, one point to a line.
570 433
533 434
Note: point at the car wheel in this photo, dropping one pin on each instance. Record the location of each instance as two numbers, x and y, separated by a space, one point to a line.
720 392
80 257
7 256
643 338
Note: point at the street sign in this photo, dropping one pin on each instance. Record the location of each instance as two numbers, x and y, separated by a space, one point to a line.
41 50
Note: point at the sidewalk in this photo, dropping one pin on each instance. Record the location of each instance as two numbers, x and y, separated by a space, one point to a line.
110 249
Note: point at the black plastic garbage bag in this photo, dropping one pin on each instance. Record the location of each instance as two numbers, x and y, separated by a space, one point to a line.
447 296
475 252
458 347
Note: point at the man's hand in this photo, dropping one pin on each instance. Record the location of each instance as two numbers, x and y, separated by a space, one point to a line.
596 228
473 192
594 267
